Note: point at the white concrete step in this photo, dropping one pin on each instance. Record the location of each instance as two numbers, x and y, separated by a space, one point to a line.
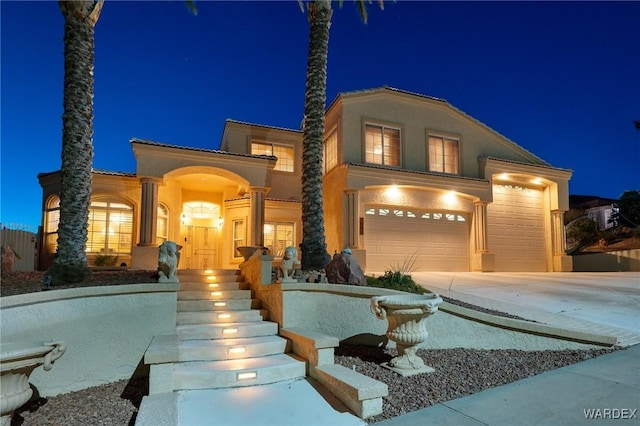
215 275
213 286
217 305
236 373
290 403
214 294
226 330
224 349
213 317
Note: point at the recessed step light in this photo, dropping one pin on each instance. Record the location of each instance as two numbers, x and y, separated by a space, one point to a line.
247 375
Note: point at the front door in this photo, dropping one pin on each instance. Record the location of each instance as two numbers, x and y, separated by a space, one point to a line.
200 249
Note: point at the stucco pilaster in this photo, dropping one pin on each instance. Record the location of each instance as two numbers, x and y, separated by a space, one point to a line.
256 207
561 262
480 227
148 211
481 260
352 201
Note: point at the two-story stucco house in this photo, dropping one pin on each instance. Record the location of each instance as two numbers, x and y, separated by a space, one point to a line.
407 177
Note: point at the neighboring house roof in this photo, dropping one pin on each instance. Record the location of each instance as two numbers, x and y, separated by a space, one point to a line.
432 98
589 201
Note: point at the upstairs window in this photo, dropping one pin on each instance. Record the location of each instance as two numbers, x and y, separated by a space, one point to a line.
330 157
444 154
382 145
283 152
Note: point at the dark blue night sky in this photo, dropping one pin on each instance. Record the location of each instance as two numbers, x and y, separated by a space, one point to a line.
560 79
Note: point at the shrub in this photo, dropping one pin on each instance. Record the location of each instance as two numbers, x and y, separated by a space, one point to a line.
583 231
105 260
396 280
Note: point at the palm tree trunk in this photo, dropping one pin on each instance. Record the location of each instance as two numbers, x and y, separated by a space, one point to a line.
314 246
80 17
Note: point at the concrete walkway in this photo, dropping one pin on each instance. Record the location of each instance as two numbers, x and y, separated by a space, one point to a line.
602 303
606 388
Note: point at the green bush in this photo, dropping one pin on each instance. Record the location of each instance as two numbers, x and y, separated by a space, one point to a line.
105 260
583 231
396 280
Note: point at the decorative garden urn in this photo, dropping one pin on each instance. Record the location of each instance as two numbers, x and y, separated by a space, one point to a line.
407 327
17 362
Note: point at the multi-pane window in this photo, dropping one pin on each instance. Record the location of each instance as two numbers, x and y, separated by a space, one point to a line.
330 157
278 236
110 227
382 145
162 224
444 154
52 220
239 232
283 152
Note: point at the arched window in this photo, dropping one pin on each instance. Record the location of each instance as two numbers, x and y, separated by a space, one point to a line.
110 226
162 224
51 222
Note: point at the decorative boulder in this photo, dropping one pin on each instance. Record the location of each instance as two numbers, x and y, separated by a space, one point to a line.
344 269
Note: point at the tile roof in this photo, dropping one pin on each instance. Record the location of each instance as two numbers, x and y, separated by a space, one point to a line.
246 123
417 172
213 151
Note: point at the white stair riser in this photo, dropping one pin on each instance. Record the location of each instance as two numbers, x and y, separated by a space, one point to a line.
217 331
215 286
217 305
185 378
226 352
217 317
217 295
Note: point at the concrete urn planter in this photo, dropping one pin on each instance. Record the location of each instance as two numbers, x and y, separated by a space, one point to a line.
407 327
247 251
17 362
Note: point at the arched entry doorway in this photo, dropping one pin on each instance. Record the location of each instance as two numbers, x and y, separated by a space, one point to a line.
200 226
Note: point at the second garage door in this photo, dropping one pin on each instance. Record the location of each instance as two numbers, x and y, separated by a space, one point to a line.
516 229
435 240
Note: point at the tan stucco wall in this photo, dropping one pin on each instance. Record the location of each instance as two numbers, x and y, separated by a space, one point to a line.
96 325
416 116
615 261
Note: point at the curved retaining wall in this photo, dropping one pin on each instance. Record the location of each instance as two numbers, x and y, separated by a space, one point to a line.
344 312
107 330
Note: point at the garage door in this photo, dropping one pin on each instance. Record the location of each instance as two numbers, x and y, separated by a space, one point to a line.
436 240
515 229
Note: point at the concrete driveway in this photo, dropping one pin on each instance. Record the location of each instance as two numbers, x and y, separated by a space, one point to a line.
600 302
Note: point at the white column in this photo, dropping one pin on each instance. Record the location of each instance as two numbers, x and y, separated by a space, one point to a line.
352 221
559 233
480 228
148 211
256 234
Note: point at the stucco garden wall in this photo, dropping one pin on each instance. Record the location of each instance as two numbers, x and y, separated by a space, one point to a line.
348 317
615 261
344 311
106 330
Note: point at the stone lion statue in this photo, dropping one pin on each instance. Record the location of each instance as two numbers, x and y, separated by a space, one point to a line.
168 257
289 264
